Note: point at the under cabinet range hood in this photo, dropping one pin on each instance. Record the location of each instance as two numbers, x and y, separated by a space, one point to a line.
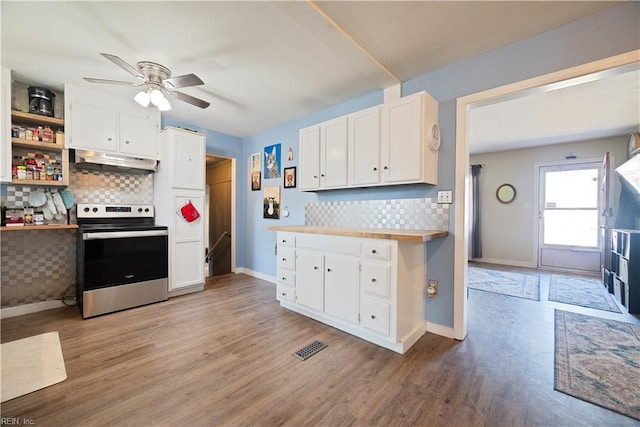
87 159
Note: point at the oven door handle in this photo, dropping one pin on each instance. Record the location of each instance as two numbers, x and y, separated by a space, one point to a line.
123 234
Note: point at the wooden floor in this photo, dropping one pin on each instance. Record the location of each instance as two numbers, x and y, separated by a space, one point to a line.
223 357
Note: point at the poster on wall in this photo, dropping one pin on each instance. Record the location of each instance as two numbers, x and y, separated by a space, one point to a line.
271 203
255 181
272 161
290 177
255 162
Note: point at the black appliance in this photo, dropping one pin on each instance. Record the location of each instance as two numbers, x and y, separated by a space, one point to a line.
41 101
122 258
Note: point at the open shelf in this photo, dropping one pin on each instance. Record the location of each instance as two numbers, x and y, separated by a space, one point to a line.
40 227
27 143
35 119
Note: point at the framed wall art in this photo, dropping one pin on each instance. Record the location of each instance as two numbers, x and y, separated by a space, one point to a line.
255 162
272 161
271 203
290 177
255 180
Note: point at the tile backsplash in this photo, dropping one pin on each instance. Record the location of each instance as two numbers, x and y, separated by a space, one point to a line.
399 214
39 265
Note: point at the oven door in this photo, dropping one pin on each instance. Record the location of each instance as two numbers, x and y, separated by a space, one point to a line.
114 258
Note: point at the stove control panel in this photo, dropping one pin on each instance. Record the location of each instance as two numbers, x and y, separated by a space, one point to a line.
94 210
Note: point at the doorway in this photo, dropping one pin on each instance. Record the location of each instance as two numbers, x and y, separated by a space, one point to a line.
563 78
569 216
219 217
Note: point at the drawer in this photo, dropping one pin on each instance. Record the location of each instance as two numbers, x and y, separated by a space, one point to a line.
286 239
376 250
287 258
624 270
285 293
618 289
375 279
374 315
333 244
286 277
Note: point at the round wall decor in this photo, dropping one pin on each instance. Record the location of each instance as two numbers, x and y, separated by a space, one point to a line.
506 193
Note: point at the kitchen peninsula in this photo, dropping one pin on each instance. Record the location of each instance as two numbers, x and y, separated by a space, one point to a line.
369 282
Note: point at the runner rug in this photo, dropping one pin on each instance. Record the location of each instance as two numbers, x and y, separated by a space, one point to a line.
30 364
585 292
504 282
596 360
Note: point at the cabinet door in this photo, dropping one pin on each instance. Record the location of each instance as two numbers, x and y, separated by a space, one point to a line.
309 280
5 125
186 242
364 147
93 128
333 157
138 136
188 155
309 148
402 140
341 296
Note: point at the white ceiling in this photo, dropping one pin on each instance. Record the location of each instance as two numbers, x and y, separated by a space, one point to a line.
266 63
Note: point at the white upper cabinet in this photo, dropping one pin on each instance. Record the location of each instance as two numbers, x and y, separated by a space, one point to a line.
5 124
333 153
309 173
364 147
323 155
408 152
184 153
99 122
394 143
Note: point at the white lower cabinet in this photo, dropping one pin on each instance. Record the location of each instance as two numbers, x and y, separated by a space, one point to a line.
371 288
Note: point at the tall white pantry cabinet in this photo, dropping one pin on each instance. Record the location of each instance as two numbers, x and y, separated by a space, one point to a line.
180 179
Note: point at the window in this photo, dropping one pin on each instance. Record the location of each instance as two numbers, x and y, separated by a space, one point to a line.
570 205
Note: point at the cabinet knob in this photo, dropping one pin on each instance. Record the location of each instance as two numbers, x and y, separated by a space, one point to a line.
386 168
373 251
329 270
322 175
373 280
126 142
373 316
284 279
375 169
315 176
284 259
284 294
315 267
109 139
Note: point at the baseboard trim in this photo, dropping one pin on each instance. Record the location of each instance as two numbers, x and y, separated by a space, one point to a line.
505 262
35 307
444 331
256 274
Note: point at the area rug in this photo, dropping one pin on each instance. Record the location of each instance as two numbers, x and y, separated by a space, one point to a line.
585 292
596 360
30 364
504 282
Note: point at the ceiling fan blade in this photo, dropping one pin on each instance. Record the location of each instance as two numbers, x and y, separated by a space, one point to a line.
189 99
111 82
128 68
183 81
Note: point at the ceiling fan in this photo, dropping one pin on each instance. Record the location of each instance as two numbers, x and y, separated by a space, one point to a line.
158 81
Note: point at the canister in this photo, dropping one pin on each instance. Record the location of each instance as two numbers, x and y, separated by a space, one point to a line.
22 172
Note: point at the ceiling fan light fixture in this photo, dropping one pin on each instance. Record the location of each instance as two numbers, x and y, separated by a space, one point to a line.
163 105
156 97
142 98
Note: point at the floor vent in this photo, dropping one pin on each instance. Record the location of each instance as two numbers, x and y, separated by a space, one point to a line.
309 350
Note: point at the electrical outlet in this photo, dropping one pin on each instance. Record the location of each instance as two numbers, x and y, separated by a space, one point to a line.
432 288
445 196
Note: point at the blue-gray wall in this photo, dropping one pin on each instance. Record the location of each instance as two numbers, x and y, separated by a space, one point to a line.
608 33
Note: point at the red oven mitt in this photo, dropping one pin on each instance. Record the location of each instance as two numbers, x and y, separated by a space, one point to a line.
189 212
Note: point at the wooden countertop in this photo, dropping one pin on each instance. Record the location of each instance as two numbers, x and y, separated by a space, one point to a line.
40 227
369 233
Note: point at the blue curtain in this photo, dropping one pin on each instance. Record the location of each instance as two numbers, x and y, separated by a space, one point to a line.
476 236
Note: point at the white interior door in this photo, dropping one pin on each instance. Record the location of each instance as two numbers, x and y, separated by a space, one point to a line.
568 216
